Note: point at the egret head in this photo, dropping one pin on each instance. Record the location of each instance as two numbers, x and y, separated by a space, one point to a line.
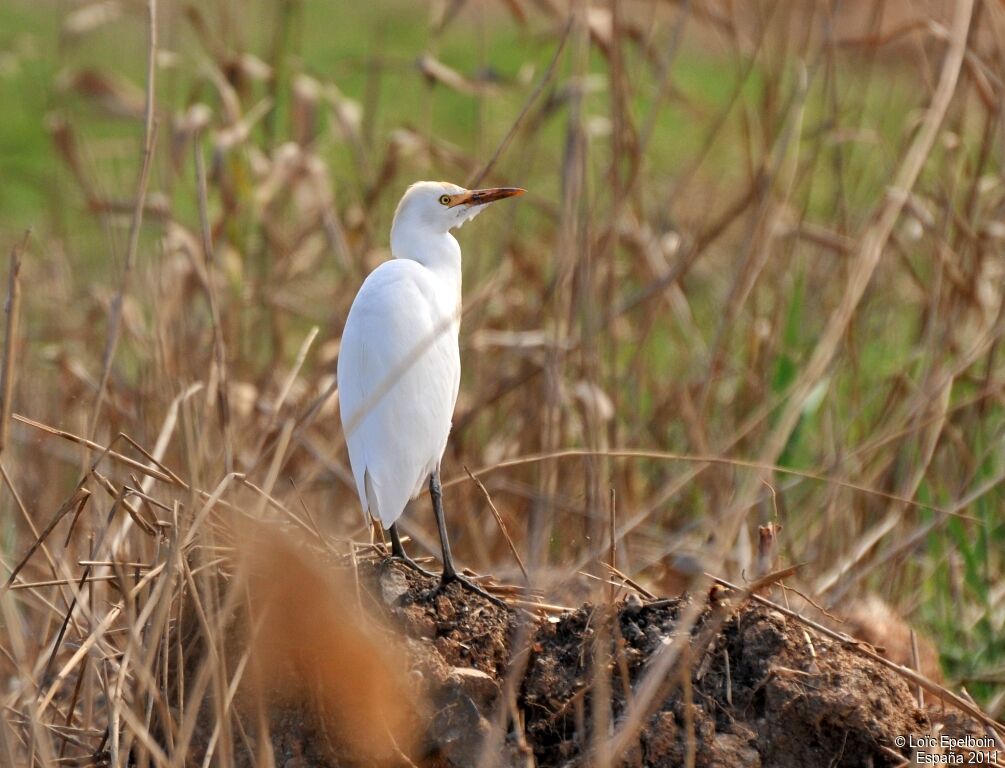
437 207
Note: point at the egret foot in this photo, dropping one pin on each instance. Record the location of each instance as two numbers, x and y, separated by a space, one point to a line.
408 562
398 553
469 585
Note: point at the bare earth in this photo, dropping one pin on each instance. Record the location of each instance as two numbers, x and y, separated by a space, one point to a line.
764 690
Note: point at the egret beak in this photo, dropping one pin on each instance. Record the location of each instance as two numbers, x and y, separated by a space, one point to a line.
483 196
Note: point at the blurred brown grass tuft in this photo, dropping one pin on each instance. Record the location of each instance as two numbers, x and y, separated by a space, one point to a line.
311 641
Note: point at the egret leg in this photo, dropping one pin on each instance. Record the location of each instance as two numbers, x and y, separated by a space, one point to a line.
398 552
449 572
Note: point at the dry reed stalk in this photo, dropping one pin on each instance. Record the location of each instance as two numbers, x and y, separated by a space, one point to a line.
569 246
476 179
219 350
872 243
149 137
500 523
284 393
894 517
13 311
724 461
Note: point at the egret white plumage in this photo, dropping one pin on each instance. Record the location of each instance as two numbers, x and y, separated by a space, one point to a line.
399 365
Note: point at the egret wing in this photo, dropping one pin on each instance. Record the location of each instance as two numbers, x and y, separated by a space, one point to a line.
398 373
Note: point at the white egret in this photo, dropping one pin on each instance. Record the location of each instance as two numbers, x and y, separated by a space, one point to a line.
399 365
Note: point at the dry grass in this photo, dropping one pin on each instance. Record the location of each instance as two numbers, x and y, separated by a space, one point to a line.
757 277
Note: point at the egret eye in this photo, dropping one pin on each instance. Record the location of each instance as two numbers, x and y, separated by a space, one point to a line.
445 199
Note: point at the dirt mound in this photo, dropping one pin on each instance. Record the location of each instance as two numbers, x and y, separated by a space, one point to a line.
530 690
762 695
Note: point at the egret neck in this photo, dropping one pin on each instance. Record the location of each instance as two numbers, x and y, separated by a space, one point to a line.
439 252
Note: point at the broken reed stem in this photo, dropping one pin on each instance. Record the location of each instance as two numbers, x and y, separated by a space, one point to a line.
501 524
93 446
12 309
149 137
75 502
169 478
